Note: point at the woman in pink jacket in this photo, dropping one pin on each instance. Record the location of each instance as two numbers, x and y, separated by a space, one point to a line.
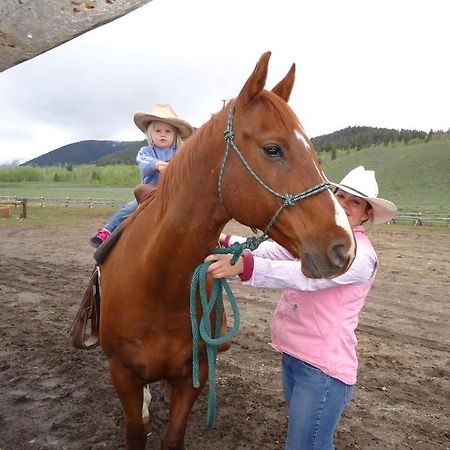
314 323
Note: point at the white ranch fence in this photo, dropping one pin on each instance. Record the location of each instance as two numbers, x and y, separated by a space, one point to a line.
417 218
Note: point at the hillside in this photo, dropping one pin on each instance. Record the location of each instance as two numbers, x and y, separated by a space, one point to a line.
84 152
113 152
409 175
126 155
415 176
360 137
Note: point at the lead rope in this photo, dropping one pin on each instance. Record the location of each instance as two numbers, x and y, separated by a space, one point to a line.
203 330
198 283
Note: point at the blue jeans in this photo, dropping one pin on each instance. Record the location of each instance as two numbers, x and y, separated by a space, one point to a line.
315 401
121 215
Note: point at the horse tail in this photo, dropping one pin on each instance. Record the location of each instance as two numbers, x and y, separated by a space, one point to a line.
89 310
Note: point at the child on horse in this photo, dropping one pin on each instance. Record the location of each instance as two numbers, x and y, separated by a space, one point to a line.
165 133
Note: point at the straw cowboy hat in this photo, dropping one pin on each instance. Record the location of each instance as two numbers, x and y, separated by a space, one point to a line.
163 113
362 183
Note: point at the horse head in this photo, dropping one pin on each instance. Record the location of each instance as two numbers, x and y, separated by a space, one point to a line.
278 166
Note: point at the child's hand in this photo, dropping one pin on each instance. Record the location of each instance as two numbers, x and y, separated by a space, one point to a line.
161 166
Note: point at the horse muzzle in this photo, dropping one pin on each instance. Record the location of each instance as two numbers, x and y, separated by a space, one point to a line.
328 262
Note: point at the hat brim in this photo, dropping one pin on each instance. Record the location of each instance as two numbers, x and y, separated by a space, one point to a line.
383 210
142 120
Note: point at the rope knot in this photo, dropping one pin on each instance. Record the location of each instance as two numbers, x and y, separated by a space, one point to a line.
229 135
252 243
289 200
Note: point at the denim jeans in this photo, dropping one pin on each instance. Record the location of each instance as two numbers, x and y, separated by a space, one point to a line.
315 401
121 215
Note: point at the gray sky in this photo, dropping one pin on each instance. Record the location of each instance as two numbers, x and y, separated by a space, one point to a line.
380 63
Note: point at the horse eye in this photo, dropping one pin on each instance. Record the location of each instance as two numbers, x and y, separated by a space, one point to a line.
273 151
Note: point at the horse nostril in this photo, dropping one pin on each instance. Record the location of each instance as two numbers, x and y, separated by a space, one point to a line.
337 256
309 263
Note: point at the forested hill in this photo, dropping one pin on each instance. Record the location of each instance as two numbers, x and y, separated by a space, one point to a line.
361 137
85 152
114 152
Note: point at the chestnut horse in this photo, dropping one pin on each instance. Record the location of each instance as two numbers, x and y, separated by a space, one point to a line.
145 328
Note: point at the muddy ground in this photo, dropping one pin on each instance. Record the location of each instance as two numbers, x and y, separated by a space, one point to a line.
53 396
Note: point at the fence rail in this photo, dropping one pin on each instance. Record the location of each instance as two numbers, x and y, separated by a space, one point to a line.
17 202
67 201
422 219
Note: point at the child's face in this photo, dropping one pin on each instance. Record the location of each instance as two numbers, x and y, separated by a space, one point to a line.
162 134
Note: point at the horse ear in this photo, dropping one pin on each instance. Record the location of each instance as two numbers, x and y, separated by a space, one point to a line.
256 82
284 88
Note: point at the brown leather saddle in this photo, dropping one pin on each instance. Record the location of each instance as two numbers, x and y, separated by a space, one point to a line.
89 310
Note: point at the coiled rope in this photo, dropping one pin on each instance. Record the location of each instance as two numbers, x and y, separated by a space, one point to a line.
203 330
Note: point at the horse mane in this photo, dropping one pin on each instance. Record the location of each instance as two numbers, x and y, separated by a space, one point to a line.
179 171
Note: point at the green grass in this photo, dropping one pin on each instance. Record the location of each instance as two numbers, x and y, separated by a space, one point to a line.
64 190
415 177
86 174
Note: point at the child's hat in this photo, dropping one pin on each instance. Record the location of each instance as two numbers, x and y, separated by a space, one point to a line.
163 113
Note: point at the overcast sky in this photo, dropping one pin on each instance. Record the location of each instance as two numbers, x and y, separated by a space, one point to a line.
381 63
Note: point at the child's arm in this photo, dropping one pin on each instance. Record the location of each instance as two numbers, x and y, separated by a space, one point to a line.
147 162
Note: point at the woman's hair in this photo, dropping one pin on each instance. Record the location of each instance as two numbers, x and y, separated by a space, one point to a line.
369 211
177 139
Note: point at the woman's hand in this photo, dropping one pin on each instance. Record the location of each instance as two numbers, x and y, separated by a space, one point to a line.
221 267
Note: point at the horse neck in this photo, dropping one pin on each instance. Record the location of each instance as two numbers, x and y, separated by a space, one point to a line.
190 201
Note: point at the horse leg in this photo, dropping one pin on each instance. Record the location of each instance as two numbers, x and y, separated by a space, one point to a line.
130 392
223 331
182 398
167 389
146 403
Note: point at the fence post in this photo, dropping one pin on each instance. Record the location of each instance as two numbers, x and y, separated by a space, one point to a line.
24 209
418 220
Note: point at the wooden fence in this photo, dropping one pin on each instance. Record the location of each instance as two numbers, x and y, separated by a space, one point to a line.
41 202
16 203
67 201
417 218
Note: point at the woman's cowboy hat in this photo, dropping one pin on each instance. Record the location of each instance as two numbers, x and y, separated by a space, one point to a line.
163 113
362 183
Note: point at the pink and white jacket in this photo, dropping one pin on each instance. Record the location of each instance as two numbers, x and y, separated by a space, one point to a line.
315 319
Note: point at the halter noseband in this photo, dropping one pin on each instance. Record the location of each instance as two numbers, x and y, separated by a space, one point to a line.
288 199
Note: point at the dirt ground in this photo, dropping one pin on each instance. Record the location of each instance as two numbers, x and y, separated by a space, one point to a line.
53 396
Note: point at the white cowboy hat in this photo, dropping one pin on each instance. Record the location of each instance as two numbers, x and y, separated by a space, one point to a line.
362 183
163 113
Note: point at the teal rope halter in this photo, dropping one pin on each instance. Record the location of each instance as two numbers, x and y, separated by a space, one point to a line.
288 199
198 284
